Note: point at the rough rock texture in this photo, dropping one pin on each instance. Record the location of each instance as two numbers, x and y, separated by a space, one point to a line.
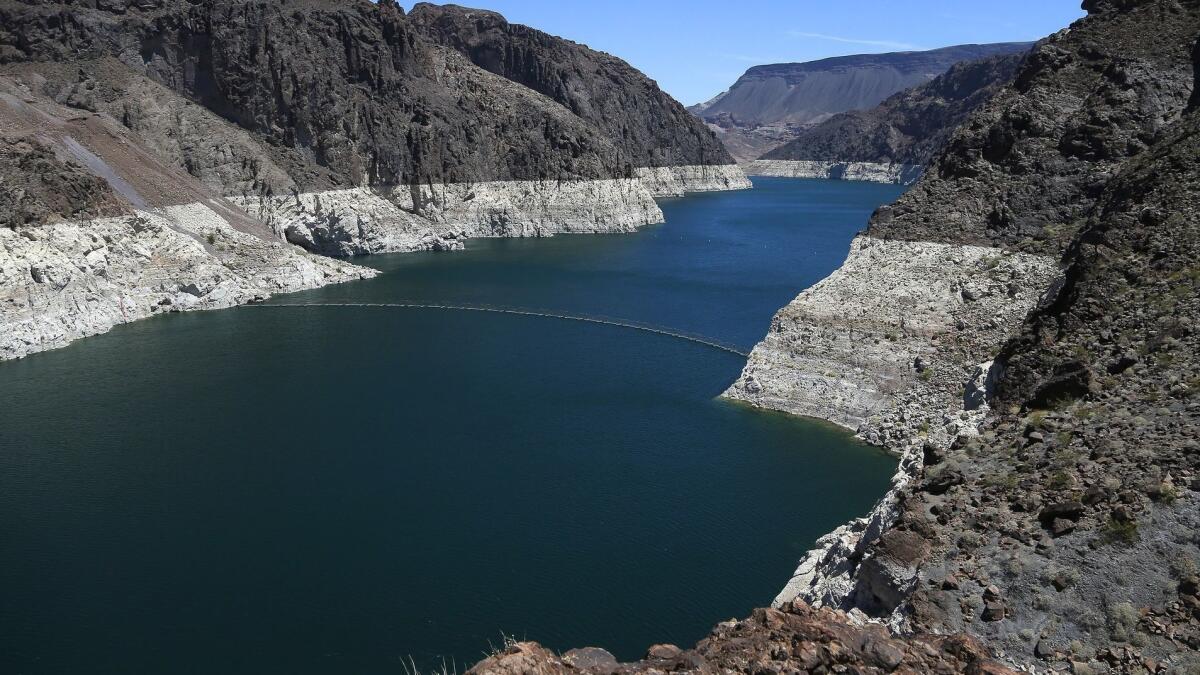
903 133
674 181
355 94
1059 526
896 331
791 639
68 280
441 217
650 128
38 186
873 172
1026 168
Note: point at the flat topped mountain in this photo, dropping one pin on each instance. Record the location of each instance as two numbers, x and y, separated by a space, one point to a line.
805 93
908 128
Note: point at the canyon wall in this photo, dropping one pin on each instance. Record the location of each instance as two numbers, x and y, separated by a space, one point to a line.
986 328
340 128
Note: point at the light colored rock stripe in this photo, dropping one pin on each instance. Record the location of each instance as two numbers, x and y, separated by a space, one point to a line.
901 174
892 346
440 216
65 281
675 181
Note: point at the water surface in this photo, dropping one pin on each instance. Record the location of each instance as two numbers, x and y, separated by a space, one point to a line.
336 490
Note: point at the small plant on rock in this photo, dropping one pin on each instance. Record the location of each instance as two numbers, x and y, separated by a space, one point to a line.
1118 531
1122 621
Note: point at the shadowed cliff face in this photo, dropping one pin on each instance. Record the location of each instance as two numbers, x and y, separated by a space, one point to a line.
349 94
908 128
648 125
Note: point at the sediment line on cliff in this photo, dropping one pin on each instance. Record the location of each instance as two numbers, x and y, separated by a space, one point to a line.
440 216
64 281
872 172
896 346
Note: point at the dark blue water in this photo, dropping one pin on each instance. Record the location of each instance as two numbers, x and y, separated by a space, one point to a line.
336 490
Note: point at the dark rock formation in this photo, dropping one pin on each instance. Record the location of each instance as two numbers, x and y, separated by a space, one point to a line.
352 94
39 187
908 128
650 127
1026 168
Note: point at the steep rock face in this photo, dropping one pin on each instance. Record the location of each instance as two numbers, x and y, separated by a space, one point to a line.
351 88
906 130
1066 532
1026 168
1057 519
651 128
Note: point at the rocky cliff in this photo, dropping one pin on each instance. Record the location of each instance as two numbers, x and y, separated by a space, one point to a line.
343 128
770 104
1002 381
1022 328
895 140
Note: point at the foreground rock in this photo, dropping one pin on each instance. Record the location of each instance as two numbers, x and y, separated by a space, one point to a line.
791 639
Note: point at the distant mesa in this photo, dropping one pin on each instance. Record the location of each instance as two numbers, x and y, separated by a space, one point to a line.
770 104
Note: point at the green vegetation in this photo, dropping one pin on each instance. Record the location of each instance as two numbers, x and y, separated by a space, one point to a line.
1116 531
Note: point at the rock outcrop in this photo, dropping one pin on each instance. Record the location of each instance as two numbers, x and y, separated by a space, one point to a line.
342 128
892 142
791 639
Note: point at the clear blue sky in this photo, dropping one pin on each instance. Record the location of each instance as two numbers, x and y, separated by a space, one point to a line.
697 48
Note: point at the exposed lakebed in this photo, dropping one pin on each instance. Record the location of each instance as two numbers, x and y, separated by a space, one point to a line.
338 489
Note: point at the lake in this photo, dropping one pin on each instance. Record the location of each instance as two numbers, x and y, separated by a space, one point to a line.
349 489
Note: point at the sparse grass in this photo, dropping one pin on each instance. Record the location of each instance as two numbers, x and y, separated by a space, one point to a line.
1007 481
1060 480
1167 494
1122 621
1116 531
211 238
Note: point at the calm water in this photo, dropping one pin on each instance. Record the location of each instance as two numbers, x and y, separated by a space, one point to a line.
334 490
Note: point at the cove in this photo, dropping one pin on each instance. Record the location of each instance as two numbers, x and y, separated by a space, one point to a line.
340 489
